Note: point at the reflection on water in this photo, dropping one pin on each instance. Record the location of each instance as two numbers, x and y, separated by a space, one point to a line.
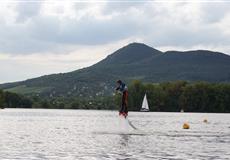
78 134
124 140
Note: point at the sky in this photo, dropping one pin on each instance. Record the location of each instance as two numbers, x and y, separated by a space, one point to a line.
44 37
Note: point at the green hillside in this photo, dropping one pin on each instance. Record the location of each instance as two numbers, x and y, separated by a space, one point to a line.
134 61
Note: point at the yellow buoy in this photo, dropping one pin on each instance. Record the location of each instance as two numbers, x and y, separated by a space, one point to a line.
205 121
186 126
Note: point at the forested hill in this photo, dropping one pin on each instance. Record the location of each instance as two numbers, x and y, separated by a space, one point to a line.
134 61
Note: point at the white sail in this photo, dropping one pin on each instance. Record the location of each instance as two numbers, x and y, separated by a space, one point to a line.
145 106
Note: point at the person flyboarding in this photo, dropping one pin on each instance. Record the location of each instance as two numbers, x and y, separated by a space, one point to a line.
124 101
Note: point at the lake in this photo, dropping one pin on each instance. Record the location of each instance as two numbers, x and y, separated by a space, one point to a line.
100 135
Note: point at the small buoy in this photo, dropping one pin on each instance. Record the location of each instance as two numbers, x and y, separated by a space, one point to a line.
186 126
205 121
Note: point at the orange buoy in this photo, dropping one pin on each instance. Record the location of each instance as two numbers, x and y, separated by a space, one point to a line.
186 126
205 121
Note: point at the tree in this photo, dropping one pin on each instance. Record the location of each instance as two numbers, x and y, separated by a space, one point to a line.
13 100
136 94
2 99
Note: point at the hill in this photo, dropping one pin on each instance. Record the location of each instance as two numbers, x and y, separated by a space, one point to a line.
134 61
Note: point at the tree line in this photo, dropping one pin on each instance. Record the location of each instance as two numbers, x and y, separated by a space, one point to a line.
181 95
162 97
13 100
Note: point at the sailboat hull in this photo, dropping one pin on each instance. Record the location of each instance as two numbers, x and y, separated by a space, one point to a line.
144 110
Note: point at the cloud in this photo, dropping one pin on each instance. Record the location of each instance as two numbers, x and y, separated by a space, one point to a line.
44 26
214 12
46 32
26 10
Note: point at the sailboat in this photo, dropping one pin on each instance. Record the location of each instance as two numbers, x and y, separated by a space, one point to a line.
145 106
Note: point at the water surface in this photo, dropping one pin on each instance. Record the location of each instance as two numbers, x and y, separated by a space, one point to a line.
98 135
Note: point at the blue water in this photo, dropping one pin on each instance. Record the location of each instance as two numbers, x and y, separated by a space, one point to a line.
79 134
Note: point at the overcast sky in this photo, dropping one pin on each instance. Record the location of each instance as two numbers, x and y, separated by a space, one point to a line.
38 38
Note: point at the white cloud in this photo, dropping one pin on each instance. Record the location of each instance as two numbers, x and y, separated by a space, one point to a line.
224 25
26 10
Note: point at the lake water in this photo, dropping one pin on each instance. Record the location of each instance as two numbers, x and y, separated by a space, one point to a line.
98 135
